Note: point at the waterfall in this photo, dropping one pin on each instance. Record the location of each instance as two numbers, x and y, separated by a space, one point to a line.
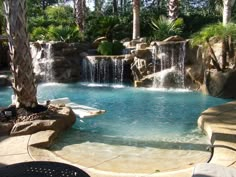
118 70
42 61
169 58
102 69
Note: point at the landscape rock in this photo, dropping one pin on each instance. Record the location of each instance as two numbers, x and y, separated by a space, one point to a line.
5 128
221 84
60 120
174 38
57 61
143 53
141 46
43 139
4 81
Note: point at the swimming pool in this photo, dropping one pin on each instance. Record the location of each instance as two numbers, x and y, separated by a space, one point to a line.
143 130
132 113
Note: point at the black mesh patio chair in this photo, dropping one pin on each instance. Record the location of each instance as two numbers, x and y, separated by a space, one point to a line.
41 169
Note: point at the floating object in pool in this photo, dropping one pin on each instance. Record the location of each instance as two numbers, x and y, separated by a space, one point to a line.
80 110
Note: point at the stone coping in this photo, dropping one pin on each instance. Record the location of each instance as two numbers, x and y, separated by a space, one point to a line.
218 122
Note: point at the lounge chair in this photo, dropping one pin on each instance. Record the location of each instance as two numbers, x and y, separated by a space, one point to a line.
213 170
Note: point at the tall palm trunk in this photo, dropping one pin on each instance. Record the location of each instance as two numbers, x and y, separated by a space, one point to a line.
227 46
121 7
97 6
227 10
173 9
124 5
114 8
80 7
21 61
136 19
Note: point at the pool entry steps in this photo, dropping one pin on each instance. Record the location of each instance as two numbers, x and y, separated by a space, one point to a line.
80 110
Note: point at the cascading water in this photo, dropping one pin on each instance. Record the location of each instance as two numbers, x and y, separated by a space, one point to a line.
102 70
118 70
42 62
169 58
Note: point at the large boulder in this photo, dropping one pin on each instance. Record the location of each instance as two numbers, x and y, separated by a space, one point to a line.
43 139
57 119
168 78
174 38
221 84
4 80
5 128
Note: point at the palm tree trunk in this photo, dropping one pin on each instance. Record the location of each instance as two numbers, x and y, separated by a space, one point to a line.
213 57
124 6
114 7
224 53
227 10
121 7
136 19
173 9
80 13
96 6
21 61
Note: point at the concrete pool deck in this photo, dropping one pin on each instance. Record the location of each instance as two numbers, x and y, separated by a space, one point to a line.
218 122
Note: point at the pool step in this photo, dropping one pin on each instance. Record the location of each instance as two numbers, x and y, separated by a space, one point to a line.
80 110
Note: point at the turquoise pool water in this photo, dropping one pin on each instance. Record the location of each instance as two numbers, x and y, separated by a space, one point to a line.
132 113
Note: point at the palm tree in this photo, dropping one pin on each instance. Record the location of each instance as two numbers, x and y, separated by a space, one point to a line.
220 32
21 61
173 9
136 19
80 6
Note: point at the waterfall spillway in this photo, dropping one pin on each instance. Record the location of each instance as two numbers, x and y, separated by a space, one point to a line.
102 69
42 62
168 64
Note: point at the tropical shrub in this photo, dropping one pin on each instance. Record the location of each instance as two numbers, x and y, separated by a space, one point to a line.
110 48
39 33
117 48
105 48
218 31
64 33
113 27
195 22
164 28
54 23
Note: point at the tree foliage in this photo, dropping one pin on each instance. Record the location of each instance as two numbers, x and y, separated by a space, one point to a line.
221 33
217 31
101 21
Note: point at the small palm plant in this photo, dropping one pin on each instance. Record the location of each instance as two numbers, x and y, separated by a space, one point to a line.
220 32
65 34
164 28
